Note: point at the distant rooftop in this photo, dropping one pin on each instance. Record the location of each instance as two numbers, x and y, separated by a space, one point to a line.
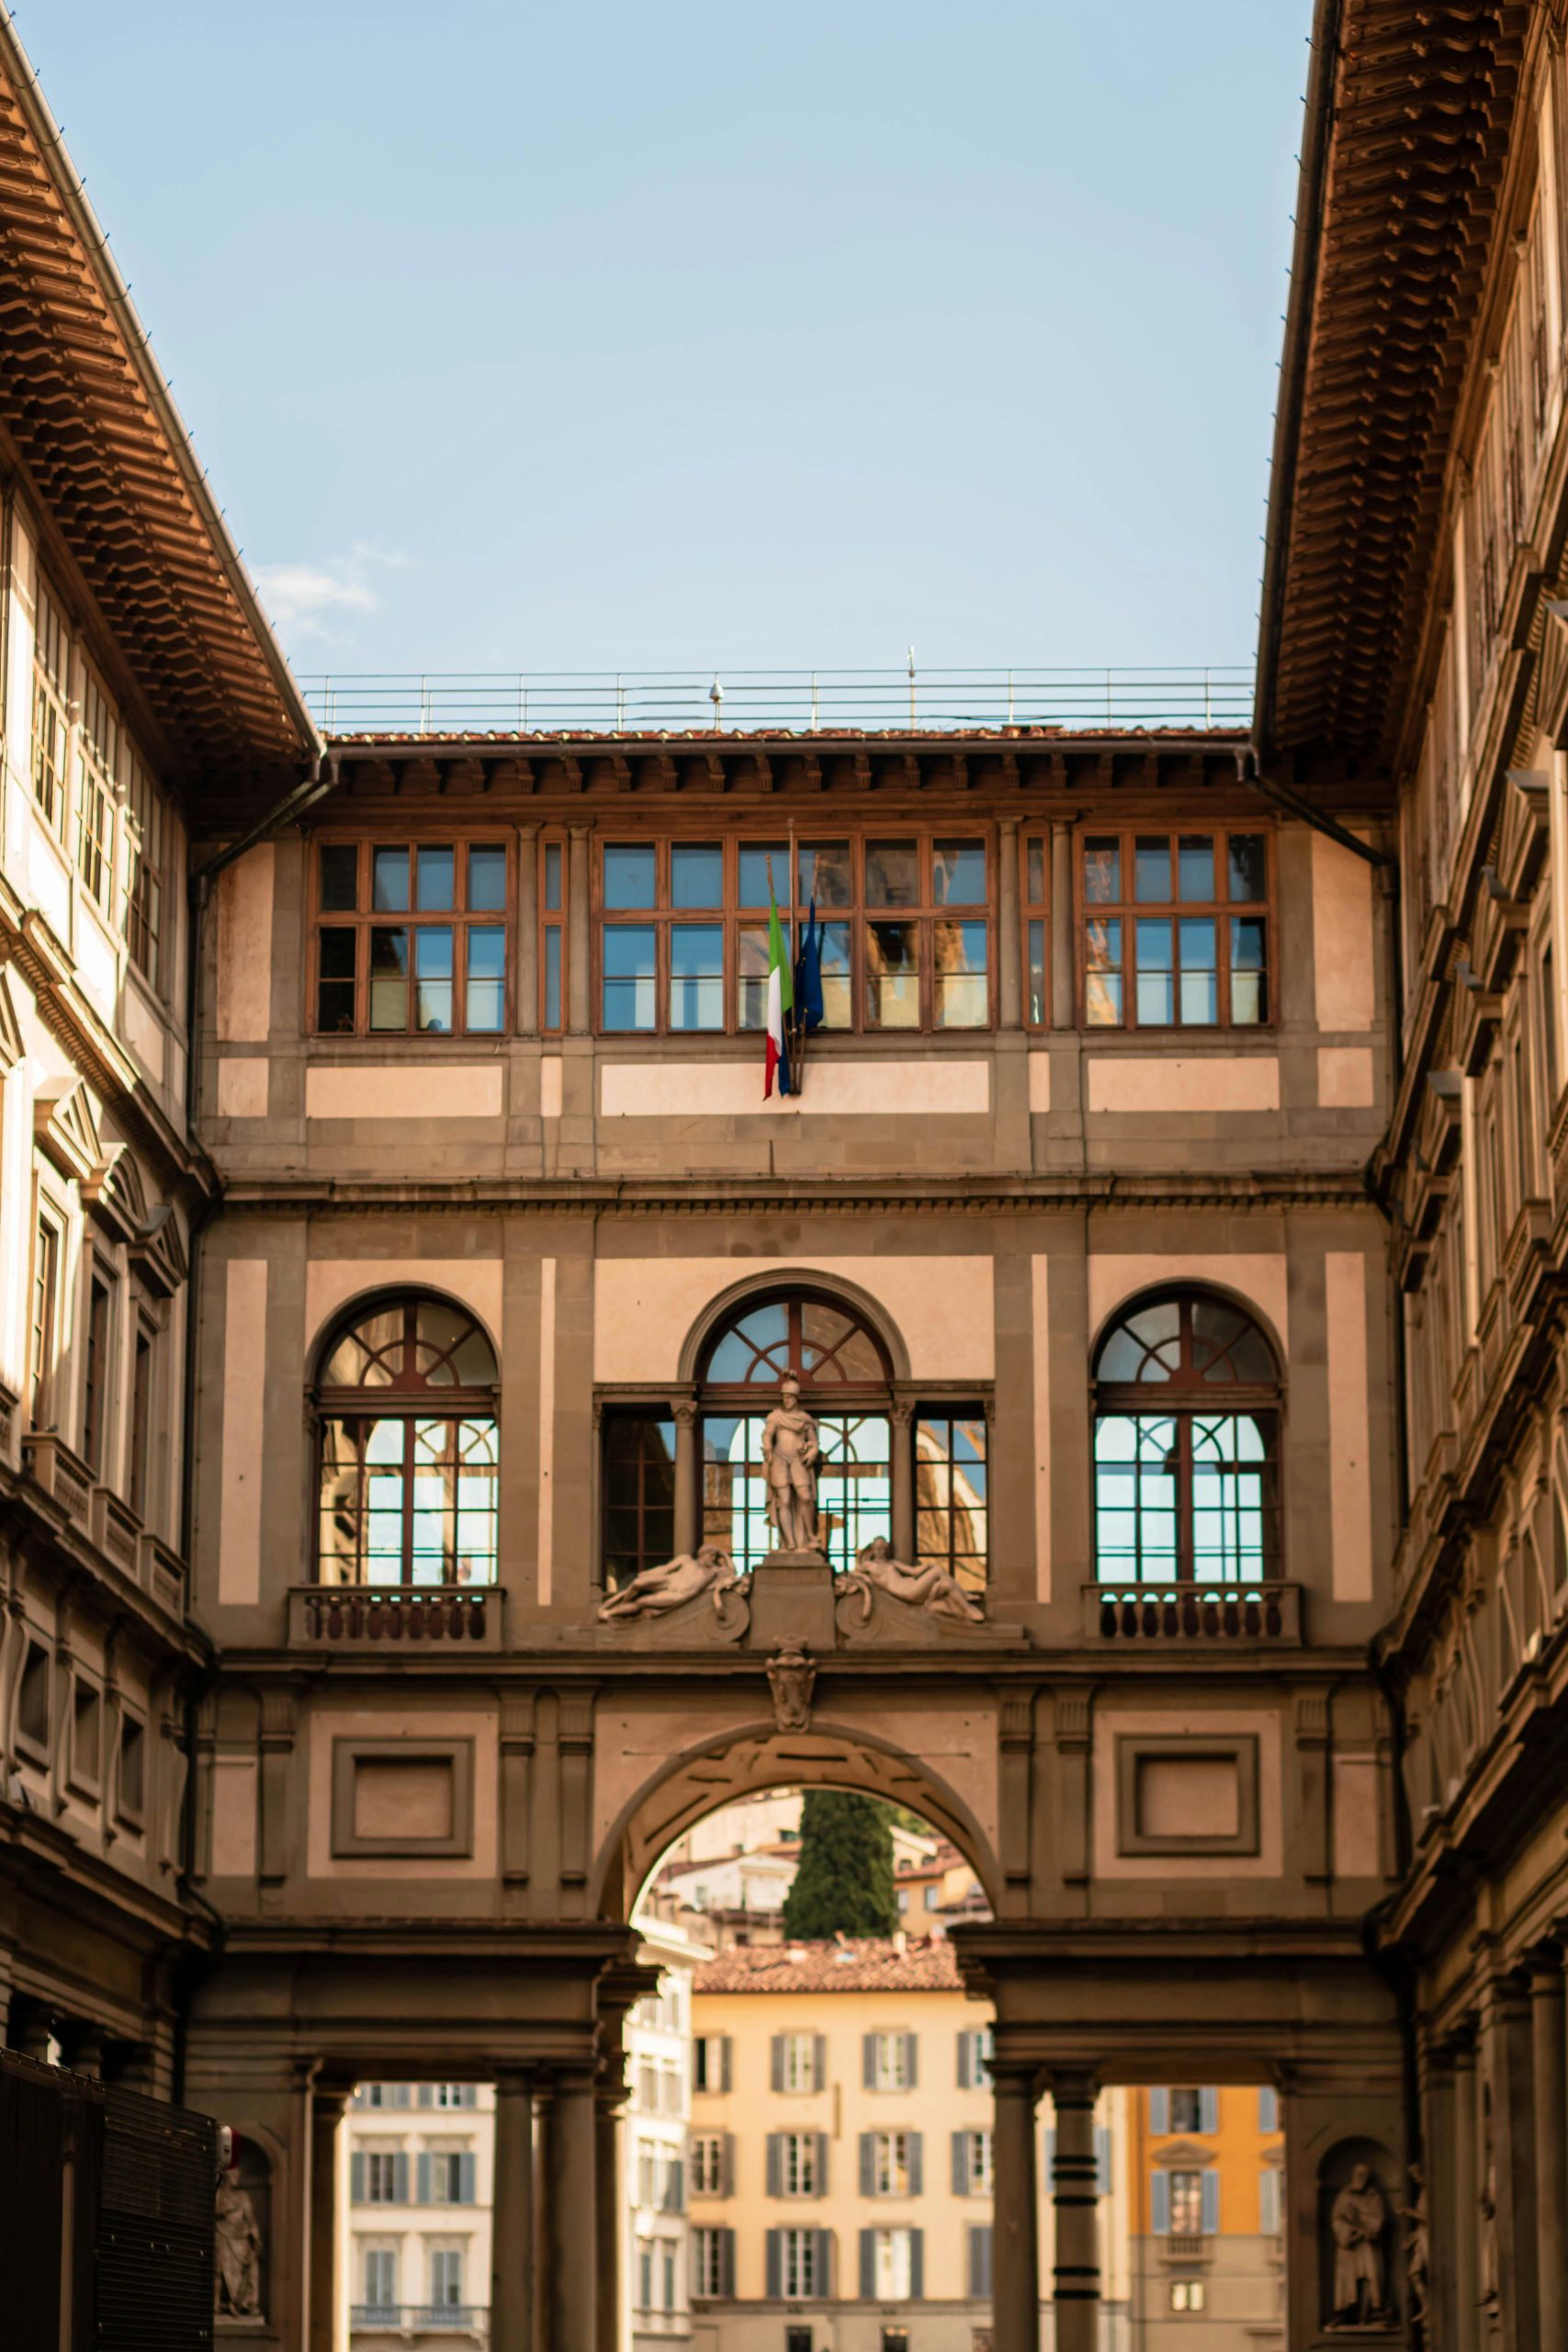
772 702
858 1964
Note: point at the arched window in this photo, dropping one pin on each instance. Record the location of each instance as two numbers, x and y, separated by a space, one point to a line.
912 1470
1185 1446
406 1448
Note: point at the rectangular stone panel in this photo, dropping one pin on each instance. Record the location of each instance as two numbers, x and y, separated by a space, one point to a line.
402 1797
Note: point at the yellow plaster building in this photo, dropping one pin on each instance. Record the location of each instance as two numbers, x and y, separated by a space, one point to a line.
1205 2165
840 2155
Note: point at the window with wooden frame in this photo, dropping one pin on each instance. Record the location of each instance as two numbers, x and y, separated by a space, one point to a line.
43 1320
51 721
407 1447
1174 929
637 1459
552 936
951 1494
146 868
904 930
1036 930
144 1370
411 938
95 1383
98 768
1185 1445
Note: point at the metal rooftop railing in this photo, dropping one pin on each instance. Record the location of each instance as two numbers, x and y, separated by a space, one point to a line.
677 701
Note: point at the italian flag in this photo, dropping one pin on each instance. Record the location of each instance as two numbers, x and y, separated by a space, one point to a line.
781 998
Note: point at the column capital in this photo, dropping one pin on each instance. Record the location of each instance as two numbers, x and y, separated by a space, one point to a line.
1013 2077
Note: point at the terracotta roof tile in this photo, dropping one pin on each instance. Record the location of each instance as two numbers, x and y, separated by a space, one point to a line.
864 1964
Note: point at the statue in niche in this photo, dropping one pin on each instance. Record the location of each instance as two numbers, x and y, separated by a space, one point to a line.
1417 2244
931 1588
1359 2221
652 1592
790 1455
1491 2270
237 2245
792 1671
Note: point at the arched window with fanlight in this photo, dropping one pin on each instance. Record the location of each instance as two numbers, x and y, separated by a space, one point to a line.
912 1468
406 1447
1185 1445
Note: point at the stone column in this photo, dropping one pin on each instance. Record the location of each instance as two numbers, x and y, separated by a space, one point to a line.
1437 2077
688 1475
1465 2175
512 2222
1509 2104
1063 987
1074 2194
572 2303
1015 2222
1009 972
901 1516
579 943
609 2206
326 2113
526 1013
1551 2069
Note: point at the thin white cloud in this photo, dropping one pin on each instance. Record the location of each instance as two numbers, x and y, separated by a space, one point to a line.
309 596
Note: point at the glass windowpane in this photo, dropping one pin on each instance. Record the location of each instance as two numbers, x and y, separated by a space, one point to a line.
1102 870
1199 978
696 976
1102 988
389 979
629 976
838 968
958 874
1151 870
630 871
826 875
1195 867
892 873
389 880
1248 868
435 878
1035 883
487 880
755 861
552 976
552 878
752 980
486 976
1155 991
696 874
1035 1012
339 871
892 975
433 976
962 997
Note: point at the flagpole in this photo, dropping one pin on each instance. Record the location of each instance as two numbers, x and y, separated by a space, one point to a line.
797 1025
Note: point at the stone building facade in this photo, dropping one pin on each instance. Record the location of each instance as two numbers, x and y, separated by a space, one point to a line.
399 1258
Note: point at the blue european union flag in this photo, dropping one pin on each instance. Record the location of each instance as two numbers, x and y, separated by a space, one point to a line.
809 973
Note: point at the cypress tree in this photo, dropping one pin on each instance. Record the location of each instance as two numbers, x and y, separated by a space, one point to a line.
844 1882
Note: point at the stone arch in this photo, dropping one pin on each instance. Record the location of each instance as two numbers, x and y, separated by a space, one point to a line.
758 1285
751 1757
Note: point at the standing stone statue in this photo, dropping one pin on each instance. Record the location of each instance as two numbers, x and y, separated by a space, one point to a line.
237 2247
1359 2218
790 1455
1418 2245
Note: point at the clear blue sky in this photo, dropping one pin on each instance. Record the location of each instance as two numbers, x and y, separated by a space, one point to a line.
606 333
